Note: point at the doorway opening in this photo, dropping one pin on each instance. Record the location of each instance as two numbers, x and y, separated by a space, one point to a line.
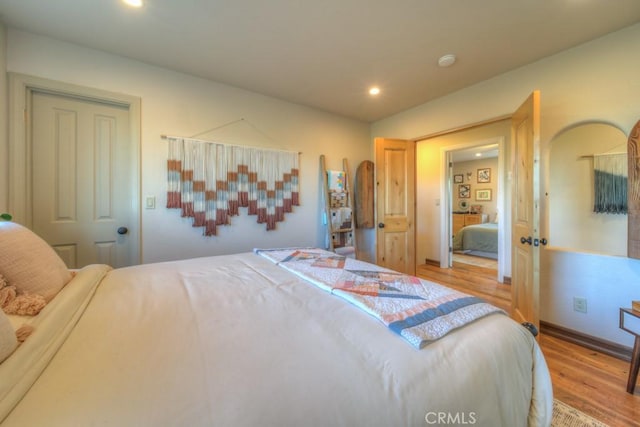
436 189
474 200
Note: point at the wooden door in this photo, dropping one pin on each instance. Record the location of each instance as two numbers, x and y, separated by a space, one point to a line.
633 193
82 180
395 199
525 255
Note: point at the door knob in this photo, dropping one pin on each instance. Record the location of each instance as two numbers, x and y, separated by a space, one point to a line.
525 240
381 225
543 242
123 230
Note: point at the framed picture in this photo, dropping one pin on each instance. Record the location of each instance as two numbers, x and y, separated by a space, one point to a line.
484 175
458 179
464 191
483 195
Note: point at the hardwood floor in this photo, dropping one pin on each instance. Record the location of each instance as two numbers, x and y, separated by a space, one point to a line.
591 382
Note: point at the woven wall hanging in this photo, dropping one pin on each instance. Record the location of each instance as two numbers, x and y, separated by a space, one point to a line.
610 183
210 181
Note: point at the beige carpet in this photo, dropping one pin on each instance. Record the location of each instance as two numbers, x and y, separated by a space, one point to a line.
567 416
475 260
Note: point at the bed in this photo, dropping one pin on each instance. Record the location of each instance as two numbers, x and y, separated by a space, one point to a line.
477 239
244 340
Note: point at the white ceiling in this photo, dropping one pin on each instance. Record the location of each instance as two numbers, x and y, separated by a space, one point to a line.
475 153
325 54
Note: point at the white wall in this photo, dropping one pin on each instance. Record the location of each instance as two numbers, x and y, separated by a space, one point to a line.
572 222
595 81
179 104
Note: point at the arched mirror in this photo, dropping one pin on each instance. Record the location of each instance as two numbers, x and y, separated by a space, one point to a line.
573 224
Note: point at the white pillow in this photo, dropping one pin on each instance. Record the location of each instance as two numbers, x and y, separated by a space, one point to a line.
29 263
8 340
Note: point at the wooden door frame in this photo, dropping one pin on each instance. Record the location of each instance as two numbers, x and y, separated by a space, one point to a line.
446 208
21 88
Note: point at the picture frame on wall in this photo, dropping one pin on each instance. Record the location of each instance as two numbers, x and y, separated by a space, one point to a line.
458 179
483 195
484 175
464 191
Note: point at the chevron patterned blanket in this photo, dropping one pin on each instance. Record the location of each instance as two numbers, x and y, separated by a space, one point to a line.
418 310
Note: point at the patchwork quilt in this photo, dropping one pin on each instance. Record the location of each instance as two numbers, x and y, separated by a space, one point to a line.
418 310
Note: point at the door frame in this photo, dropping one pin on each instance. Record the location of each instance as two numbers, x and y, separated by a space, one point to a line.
446 208
20 197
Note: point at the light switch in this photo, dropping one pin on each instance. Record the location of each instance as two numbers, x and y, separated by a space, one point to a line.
151 202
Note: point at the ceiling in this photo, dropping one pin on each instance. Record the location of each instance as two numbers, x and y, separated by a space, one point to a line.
475 153
326 54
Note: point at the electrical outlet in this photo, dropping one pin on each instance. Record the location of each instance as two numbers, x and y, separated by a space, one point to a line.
580 304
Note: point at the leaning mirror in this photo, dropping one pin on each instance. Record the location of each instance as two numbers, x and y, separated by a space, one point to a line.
575 192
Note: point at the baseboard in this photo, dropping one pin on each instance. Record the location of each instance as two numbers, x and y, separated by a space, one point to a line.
603 346
432 262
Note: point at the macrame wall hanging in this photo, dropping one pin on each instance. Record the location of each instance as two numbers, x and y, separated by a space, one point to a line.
610 183
210 181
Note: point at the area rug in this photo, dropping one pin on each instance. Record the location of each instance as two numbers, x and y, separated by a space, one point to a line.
567 416
475 260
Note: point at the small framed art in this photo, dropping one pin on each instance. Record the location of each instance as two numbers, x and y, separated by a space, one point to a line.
464 191
484 175
458 179
483 195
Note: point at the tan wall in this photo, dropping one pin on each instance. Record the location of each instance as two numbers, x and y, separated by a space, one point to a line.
464 168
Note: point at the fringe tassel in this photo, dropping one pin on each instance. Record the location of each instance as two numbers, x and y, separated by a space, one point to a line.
187 210
199 219
173 200
262 215
243 186
210 228
23 332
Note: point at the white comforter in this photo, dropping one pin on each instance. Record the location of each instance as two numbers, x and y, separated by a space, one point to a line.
238 341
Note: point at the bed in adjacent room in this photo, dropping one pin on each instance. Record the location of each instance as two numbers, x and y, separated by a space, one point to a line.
478 239
275 337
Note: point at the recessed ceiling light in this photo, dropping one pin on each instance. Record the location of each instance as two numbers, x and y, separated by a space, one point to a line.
478 154
447 60
374 91
133 3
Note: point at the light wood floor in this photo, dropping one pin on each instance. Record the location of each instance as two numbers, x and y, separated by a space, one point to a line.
591 382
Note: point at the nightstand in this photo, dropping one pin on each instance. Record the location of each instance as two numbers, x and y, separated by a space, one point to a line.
635 356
